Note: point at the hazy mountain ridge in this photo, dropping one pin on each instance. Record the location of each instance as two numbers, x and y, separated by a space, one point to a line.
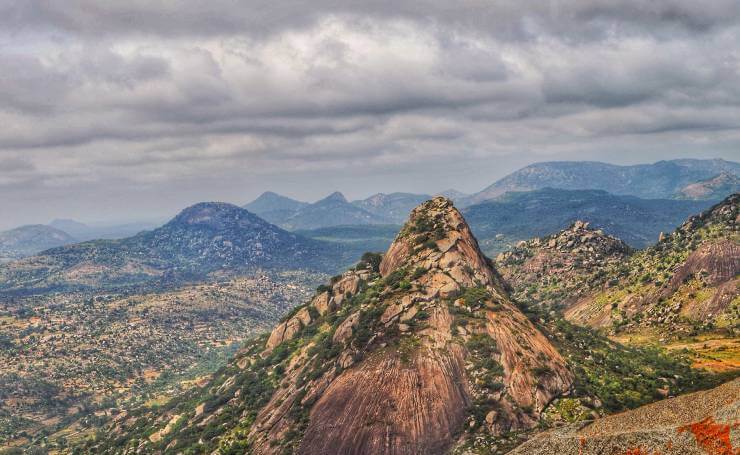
84 232
27 240
664 179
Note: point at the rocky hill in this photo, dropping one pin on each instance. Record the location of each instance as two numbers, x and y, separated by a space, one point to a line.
701 423
688 281
27 240
204 239
714 188
664 179
559 268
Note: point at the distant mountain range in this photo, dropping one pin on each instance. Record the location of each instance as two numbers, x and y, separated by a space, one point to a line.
82 232
334 210
501 223
638 223
661 180
203 239
27 240
677 179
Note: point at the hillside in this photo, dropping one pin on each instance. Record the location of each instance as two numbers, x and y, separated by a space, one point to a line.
661 180
68 357
204 239
701 423
685 283
28 240
419 351
356 239
501 223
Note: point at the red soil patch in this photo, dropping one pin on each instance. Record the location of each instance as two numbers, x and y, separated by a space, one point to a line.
713 437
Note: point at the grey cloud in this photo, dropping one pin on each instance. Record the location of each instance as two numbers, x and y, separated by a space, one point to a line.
170 96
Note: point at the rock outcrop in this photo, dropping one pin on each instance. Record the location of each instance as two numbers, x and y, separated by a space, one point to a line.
701 423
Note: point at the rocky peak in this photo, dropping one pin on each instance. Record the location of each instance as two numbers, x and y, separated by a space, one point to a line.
436 237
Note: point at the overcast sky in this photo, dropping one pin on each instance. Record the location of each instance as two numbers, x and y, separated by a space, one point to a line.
134 109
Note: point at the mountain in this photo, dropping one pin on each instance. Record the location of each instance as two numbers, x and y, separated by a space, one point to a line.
715 188
203 239
393 207
700 423
333 210
83 232
27 240
663 179
274 207
687 282
502 222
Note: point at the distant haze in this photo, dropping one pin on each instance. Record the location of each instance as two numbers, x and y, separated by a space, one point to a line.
129 111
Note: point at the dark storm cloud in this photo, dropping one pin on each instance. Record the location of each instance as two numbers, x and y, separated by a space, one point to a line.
104 97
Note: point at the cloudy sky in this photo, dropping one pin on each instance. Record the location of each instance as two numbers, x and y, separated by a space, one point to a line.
133 109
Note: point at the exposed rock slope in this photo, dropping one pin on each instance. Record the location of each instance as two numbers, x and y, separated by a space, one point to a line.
701 423
409 355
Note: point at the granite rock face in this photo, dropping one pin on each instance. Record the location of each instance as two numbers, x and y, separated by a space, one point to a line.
701 423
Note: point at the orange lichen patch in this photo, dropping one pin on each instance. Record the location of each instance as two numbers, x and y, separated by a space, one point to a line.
640 451
713 437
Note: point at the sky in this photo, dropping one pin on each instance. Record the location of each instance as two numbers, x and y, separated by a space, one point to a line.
119 111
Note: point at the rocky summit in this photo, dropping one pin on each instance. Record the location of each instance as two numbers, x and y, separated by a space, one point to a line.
555 268
420 352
